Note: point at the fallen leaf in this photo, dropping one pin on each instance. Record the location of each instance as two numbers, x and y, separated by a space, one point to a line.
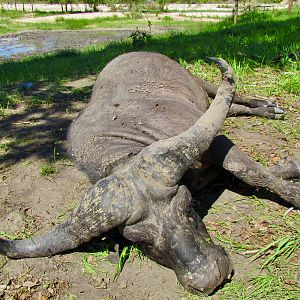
63 285
42 296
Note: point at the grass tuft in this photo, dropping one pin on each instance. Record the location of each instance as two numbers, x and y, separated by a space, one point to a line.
127 253
48 169
282 248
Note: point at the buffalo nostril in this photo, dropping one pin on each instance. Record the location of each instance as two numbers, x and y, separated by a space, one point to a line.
230 275
225 267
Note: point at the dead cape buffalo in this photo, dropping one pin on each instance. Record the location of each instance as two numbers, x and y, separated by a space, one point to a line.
147 125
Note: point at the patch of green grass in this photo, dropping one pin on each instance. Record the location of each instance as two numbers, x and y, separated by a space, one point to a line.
7 235
267 236
92 258
73 24
287 243
26 231
127 253
265 287
47 169
259 156
80 93
290 129
283 230
167 18
234 245
11 14
273 286
71 297
290 81
236 289
8 101
4 146
283 247
7 144
87 267
61 23
39 100
29 226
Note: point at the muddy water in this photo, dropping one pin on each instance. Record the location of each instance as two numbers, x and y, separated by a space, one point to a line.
26 43
10 46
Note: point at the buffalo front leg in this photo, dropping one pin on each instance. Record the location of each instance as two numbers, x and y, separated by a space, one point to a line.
224 153
286 169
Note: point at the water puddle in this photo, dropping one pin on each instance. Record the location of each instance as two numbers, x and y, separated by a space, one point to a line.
11 46
28 43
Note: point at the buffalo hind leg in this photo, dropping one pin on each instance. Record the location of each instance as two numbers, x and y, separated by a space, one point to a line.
261 111
246 106
224 153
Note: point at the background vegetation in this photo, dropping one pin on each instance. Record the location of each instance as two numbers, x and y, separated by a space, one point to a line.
260 39
262 48
92 4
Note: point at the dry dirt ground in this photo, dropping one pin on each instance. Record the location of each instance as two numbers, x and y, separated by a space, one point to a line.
31 203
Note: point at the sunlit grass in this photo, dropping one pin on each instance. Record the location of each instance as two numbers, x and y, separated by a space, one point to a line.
283 247
48 169
128 253
91 259
270 243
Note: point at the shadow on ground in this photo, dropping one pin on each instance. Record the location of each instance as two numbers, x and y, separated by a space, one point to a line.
37 129
39 126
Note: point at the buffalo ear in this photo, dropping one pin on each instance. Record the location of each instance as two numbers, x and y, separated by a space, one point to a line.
181 204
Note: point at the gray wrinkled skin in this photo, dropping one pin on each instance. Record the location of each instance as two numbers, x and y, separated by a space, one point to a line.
147 125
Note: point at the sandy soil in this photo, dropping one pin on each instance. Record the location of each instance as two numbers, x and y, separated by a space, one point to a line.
31 203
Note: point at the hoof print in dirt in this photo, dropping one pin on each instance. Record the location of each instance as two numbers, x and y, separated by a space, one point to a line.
147 124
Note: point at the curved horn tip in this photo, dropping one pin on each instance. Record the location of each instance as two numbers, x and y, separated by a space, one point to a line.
222 64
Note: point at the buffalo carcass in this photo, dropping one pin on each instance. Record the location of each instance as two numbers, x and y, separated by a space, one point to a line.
148 124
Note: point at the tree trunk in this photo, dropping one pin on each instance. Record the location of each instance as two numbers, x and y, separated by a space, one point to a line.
235 11
290 5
